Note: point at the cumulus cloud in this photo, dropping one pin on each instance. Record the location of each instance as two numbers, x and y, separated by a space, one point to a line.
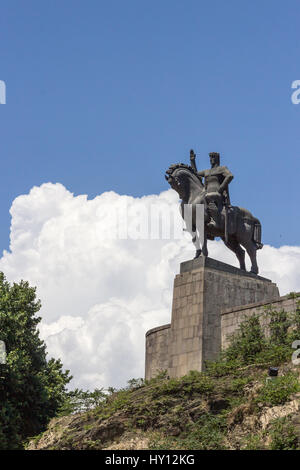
101 291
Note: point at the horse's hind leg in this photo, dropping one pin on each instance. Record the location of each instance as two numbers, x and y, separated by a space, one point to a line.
234 246
251 250
196 242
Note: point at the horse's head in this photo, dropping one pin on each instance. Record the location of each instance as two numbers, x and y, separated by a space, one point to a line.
184 180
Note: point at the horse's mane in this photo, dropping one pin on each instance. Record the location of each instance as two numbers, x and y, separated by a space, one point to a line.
184 166
175 166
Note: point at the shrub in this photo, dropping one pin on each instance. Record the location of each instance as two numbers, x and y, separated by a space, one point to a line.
279 324
247 342
206 434
193 383
278 391
283 435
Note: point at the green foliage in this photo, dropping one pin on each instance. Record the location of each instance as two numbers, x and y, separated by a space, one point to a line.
283 435
279 390
78 401
293 295
251 344
120 401
135 383
279 324
247 346
236 385
248 342
295 321
193 383
206 434
253 442
222 366
31 388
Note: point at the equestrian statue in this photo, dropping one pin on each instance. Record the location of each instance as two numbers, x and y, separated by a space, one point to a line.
236 226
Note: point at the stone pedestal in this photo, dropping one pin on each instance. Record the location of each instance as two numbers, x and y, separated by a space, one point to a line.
203 289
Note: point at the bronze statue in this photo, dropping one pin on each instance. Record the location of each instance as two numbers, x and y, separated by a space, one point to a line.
235 225
216 184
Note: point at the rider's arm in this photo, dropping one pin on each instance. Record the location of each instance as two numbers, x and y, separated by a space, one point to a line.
228 177
192 160
193 164
201 173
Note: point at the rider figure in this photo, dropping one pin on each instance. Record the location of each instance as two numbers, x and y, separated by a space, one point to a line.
216 181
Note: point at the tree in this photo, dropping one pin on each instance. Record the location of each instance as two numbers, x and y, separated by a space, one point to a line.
31 388
78 401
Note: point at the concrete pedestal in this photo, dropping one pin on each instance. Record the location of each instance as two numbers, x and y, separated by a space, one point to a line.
203 289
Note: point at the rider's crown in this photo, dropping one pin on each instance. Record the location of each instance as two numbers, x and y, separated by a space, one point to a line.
215 154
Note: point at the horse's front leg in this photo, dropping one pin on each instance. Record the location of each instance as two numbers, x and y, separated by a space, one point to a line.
188 211
202 237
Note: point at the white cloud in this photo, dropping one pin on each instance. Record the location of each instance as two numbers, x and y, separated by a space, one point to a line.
101 294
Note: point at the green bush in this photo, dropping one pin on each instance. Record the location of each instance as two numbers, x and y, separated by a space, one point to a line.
295 333
293 295
193 383
251 345
279 324
278 391
283 435
247 342
206 434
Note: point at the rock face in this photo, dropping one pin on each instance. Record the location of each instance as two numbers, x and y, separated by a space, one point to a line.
290 408
202 291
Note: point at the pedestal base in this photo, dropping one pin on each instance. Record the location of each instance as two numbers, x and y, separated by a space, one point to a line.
202 290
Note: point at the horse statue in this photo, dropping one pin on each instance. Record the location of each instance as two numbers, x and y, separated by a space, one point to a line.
237 226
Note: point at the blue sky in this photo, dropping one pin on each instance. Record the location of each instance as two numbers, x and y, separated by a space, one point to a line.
106 95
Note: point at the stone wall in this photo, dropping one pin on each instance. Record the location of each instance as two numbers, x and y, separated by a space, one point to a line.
232 318
186 324
157 350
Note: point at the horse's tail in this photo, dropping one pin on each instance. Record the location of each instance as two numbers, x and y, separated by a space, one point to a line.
257 234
